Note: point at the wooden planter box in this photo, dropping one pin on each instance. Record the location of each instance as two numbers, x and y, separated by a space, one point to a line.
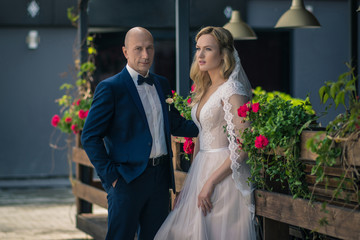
281 210
348 198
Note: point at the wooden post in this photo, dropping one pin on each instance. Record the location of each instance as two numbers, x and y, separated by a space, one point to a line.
182 18
83 173
274 230
354 39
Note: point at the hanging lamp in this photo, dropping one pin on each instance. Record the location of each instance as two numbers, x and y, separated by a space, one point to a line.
297 17
238 28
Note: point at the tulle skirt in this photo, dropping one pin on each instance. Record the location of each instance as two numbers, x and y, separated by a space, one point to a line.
230 217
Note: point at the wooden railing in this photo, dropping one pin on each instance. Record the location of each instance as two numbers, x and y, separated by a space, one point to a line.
279 212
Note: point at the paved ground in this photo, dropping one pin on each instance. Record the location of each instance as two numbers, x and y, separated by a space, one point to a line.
38 212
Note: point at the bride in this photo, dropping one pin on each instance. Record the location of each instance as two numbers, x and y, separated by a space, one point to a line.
216 201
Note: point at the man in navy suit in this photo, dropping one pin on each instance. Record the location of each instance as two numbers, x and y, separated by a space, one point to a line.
127 138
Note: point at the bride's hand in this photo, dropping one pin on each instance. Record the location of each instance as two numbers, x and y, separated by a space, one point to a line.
204 198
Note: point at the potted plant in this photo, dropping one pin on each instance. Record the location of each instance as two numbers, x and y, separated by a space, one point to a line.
337 147
272 141
76 101
183 105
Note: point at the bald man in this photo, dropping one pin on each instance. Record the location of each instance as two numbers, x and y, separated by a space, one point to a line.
127 138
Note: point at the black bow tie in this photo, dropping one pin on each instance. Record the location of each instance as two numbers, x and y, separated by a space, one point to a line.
147 80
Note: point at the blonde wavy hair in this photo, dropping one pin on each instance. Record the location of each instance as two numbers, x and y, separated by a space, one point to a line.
226 44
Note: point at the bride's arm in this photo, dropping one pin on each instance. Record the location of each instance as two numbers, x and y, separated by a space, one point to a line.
204 198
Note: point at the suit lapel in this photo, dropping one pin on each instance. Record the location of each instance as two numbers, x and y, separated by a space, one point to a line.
134 93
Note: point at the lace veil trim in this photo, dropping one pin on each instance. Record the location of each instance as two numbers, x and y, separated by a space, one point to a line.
237 84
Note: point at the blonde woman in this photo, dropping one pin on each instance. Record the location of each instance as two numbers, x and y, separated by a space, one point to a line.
216 201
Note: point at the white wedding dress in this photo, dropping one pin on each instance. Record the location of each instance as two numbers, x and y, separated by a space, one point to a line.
232 216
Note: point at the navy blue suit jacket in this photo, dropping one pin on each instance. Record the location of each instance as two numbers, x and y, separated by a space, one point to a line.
116 135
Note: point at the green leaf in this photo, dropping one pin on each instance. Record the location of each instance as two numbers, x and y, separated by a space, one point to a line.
333 90
340 98
66 86
350 88
322 91
326 97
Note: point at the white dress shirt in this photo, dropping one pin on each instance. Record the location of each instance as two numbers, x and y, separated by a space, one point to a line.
153 111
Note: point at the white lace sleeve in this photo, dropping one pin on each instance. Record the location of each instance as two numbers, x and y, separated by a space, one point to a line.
234 96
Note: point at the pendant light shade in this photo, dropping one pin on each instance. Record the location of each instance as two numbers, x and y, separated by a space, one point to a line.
297 17
238 28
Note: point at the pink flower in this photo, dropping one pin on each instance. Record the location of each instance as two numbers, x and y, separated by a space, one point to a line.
189 101
83 114
173 92
55 120
78 102
68 120
74 128
255 107
188 146
242 111
261 142
193 88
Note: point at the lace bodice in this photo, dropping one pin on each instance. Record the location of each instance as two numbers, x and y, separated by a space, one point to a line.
219 126
212 120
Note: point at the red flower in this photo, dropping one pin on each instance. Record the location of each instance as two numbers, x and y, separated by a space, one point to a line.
74 128
68 120
193 88
261 142
78 102
189 101
83 114
239 143
55 120
242 111
255 107
188 146
173 92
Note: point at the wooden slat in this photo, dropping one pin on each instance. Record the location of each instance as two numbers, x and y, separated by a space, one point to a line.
306 153
179 179
343 223
93 224
354 154
330 171
79 156
175 145
331 182
338 202
89 193
350 196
